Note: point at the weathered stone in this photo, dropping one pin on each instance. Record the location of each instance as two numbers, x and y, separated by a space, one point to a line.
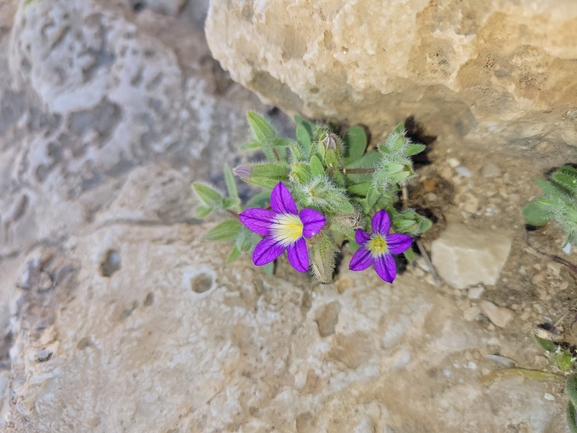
497 72
499 316
490 170
464 256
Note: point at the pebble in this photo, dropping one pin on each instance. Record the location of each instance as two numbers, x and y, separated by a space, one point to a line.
431 196
507 362
499 316
471 313
466 257
475 292
463 171
567 249
453 162
471 203
554 268
490 170
539 278
549 397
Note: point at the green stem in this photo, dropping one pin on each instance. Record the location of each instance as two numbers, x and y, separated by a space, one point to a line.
358 170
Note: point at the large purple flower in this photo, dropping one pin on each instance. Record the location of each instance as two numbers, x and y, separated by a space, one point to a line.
283 228
378 247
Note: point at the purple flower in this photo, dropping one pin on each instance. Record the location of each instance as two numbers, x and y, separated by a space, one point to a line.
283 228
379 247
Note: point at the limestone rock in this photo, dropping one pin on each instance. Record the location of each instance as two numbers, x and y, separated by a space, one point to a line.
499 316
499 72
464 256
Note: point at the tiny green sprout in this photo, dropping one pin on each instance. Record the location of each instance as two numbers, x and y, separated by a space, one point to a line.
320 191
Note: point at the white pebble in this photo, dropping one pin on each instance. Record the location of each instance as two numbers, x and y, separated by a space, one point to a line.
463 171
549 397
567 249
453 162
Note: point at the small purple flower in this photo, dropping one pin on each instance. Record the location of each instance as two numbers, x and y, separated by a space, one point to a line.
283 228
379 247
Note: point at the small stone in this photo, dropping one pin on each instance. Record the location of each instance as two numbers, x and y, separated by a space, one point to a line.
539 279
499 316
471 203
507 362
471 313
538 308
453 162
549 397
522 271
471 365
465 257
490 170
464 171
343 283
431 196
567 249
554 268
475 292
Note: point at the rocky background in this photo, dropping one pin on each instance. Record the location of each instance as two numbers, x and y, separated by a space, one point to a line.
114 316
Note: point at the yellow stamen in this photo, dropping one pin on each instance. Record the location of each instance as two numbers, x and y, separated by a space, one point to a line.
377 245
287 229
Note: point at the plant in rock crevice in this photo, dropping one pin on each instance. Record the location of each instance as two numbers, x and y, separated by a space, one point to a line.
319 177
559 204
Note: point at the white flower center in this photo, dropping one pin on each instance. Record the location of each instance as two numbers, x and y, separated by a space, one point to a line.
377 245
287 229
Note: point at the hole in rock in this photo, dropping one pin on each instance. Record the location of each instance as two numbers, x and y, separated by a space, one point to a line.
110 264
201 283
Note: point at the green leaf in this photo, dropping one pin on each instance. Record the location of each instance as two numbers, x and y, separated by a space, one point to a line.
273 171
572 388
414 149
246 240
264 133
360 189
304 139
566 179
265 182
253 144
316 165
296 151
398 177
229 203
202 211
372 197
309 126
425 225
355 141
227 230
300 172
409 255
260 200
400 128
535 214
353 245
208 195
547 187
233 255
230 182
392 167
545 344
402 224
269 268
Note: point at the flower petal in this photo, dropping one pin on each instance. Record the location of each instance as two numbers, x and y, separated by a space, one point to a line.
266 251
258 220
361 237
398 243
298 256
282 201
381 222
386 268
313 222
361 260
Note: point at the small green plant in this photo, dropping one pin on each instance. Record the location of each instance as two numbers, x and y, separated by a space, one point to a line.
326 190
558 203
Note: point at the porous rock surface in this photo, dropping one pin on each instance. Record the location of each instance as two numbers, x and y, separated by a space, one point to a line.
118 318
480 70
